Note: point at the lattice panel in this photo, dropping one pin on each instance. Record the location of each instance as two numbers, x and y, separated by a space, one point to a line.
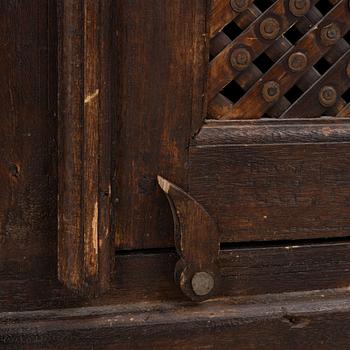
279 59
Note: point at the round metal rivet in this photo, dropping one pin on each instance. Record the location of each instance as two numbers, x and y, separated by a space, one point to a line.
330 34
299 7
240 58
240 5
271 91
202 283
270 28
297 61
328 96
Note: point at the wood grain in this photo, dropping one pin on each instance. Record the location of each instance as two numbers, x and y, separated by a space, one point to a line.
221 72
85 243
335 77
276 188
313 48
148 277
297 321
28 174
160 106
193 227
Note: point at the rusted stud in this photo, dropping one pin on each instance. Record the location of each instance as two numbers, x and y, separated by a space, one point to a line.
270 28
240 5
240 59
297 61
202 283
328 96
330 34
271 91
299 7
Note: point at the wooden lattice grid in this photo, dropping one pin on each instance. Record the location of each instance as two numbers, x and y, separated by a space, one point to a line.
279 59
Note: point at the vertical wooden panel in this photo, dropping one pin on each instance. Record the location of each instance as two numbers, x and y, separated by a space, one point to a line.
28 193
161 77
85 249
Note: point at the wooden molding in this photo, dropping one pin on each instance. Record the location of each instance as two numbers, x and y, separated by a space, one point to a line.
85 247
314 320
272 131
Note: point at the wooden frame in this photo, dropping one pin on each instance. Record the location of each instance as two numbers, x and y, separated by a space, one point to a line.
317 320
85 247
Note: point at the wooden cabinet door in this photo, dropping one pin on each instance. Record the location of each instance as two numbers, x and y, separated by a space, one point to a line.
203 140
256 169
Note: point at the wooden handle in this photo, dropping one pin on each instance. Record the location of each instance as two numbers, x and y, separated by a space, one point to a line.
197 242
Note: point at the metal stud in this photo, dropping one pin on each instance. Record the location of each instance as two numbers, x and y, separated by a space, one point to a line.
202 283
240 5
297 61
240 59
270 28
271 91
330 34
299 7
328 96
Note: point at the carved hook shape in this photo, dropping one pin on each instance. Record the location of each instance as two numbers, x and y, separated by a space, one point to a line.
197 242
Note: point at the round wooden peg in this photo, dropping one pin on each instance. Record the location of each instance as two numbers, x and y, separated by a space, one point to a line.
270 28
202 283
328 96
271 91
299 7
240 59
240 5
330 34
297 61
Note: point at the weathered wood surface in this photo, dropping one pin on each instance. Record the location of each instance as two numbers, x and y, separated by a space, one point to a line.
273 181
245 270
221 72
281 51
162 55
85 244
333 78
313 50
296 322
197 242
284 268
220 106
28 224
143 276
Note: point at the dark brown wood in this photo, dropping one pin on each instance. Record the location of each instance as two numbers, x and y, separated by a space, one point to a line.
219 106
221 12
196 272
142 277
261 183
286 267
28 224
336 77
161 87
132 100
314 49
245 270
298 321
220 70
252 22
85 240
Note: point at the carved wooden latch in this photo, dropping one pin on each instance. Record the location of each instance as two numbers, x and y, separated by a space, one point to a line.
197 243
